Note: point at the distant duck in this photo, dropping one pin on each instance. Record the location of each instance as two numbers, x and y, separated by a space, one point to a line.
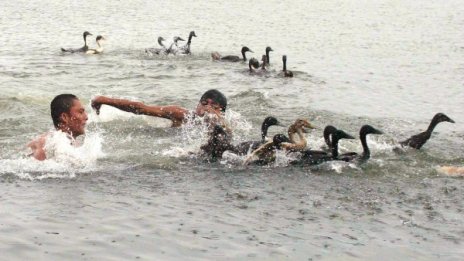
310 158
231 58
174 47
100 39
153 51
252 65
418 140
79 50
186 48
363 132
285 72
246 146
268 60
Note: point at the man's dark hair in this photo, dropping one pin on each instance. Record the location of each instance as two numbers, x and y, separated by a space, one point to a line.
60 104
216 96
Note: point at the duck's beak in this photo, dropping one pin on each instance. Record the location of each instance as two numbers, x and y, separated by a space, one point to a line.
450 120
377 132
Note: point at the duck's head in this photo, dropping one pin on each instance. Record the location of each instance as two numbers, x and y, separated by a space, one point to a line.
278 139
300 124
441 117
177 38
339 134
246 49
160 39
192 33
368 129
271 121
269 49
86 33
100 38
253 63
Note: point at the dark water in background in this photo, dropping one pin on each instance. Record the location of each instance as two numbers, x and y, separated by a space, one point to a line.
134 191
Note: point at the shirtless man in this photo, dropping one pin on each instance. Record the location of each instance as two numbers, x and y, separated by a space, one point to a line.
68 116
211 102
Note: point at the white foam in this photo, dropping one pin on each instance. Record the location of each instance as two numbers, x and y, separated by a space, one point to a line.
63 159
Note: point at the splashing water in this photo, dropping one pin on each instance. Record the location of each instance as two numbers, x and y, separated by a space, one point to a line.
63 159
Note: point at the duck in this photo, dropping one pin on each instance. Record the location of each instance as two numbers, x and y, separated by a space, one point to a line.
285 72
231 58
309 158
79 50
153 51
186 48
218 143
100 39
244 147
353 156
268 50
174 48
253 63
418 140
265 153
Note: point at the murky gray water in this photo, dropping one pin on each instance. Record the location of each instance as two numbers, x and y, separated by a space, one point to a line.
133 191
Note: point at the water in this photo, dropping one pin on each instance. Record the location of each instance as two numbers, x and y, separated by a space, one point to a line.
136 191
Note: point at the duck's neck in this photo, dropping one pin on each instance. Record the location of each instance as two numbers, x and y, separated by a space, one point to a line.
244 57
334 148
100 47
190 39
264 129
267 57
160 42
285 65
85 40
366 152
432 126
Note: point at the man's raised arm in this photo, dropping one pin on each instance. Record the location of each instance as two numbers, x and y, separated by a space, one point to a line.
174 113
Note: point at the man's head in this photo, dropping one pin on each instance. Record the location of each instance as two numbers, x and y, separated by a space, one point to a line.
212 100
68 114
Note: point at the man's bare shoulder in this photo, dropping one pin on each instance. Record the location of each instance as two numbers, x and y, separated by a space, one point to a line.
37 146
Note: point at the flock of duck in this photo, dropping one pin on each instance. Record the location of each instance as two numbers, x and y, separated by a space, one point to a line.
254 67
263 151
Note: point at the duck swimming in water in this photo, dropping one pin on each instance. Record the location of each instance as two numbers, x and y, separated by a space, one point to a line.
174 47
309 158
418 140
218 143
244 147
265 154
268 59
186 48
100 39
153 51
285 72
363 132
232 58
253 63
79 50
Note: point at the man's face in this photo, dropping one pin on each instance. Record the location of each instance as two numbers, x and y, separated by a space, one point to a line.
74 121
208 106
